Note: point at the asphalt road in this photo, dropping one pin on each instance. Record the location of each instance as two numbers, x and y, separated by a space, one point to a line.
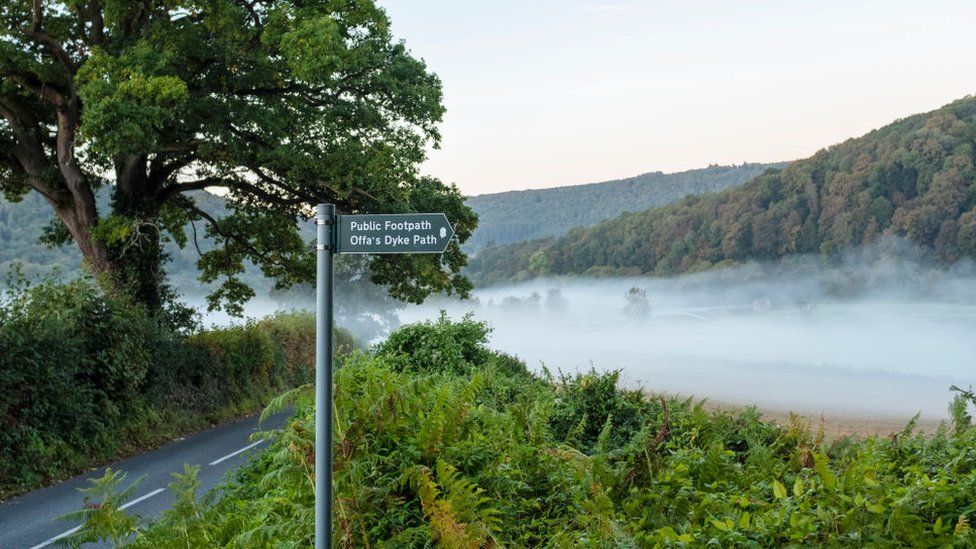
31 520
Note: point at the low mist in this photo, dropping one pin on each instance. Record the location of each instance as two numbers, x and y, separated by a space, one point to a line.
884 338
879 333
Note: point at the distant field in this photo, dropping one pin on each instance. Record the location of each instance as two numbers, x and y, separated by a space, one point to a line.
835 424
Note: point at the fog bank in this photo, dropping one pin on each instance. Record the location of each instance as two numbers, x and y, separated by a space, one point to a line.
884 339
877 333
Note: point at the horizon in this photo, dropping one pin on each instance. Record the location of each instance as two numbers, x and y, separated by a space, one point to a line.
792 79
636 175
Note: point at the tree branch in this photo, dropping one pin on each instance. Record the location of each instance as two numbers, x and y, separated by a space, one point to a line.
277 183
272 91
249 6
98 23
215 225
28 148
32 83
10 159
264 195
44 39
160 170
236 184
178 188
196 244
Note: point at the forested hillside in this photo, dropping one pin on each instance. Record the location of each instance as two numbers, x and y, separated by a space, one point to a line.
914 178
20 225
513 216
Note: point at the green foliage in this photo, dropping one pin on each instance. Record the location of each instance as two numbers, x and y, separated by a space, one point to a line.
913 179
125 103
283 104
637 306
105 520
102 512
962 420
484 455
86 376
586 404
72 366
514 262
440 346
457 512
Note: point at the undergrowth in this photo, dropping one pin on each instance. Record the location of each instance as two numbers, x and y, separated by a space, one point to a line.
441 442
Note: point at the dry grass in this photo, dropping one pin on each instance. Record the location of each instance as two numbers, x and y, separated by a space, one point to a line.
838 424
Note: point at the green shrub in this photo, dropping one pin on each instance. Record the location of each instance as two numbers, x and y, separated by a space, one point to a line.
440 346
588 403
962 420
72 368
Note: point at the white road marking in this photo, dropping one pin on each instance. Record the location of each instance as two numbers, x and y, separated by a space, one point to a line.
76 528
232 454
56 538
143 498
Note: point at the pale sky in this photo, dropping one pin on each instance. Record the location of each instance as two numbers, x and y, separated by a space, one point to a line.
549 93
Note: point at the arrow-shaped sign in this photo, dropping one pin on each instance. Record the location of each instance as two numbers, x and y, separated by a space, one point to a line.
415 233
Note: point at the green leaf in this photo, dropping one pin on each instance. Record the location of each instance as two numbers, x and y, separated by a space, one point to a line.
827 477
779 491
721 525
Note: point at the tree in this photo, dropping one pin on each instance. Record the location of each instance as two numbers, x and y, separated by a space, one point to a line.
637 307
278 104
555 302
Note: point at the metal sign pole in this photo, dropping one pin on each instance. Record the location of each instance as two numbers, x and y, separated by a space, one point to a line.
325 222
416 233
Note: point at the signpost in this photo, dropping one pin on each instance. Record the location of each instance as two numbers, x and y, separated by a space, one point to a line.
414 233
424 233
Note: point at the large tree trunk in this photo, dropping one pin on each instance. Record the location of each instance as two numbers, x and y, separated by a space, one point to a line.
94 252
71 198
131 265
137 261
129 260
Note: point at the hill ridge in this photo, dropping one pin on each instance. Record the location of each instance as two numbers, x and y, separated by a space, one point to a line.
518 215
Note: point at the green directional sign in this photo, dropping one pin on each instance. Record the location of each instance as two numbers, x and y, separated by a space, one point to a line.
415 233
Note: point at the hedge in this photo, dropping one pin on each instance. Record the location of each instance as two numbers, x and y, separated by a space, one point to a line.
86 378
